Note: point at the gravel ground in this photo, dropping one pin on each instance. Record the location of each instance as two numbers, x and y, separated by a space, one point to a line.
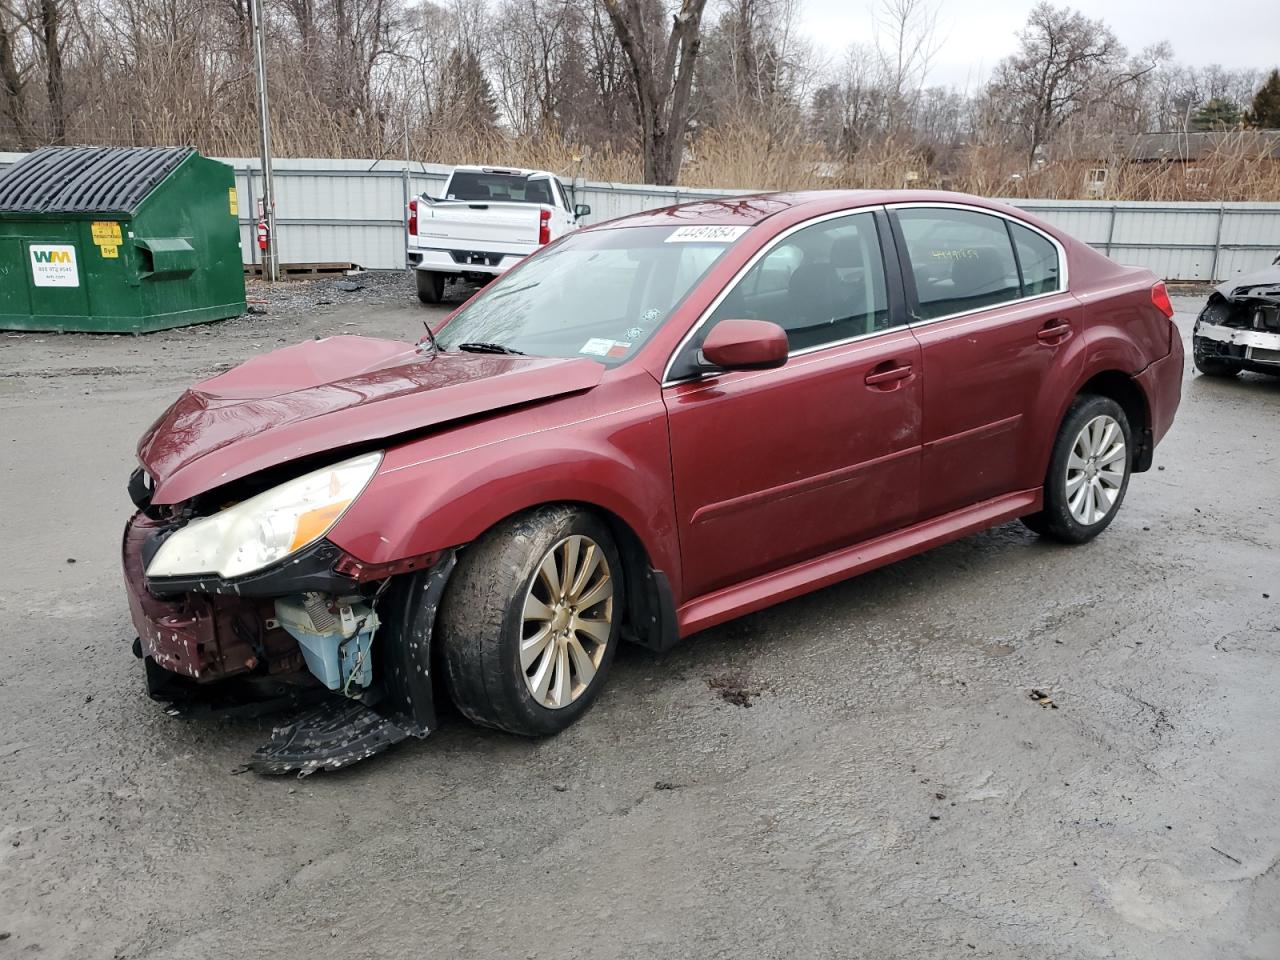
1002 748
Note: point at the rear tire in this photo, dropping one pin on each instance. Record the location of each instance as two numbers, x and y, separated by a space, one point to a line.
522 652
1213 366
430 286
1089 471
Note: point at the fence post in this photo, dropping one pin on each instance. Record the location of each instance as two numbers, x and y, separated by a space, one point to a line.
1217 244
1111 230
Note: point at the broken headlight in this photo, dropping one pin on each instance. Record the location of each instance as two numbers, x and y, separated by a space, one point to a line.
269 527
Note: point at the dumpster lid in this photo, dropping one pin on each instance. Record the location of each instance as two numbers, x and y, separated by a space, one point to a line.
86 179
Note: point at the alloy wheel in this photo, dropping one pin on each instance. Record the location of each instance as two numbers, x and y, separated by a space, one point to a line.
1096 469
567 621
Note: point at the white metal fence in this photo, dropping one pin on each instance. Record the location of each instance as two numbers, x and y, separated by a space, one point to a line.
340 211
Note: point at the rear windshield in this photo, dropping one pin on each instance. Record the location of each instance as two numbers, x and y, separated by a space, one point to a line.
596 293
507 187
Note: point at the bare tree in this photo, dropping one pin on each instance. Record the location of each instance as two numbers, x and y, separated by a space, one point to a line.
13 79
663 79
55 84
906 33
1065 64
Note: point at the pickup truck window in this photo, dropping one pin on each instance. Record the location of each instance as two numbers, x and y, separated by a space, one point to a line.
597 293
476 186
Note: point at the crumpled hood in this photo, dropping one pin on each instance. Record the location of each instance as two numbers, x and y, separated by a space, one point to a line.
324 395
1267 276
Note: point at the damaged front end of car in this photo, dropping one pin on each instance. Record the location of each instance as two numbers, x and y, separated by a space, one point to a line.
243 607
1239 328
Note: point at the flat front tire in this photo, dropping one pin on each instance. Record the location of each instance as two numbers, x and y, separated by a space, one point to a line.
430 286
1089 471
531 620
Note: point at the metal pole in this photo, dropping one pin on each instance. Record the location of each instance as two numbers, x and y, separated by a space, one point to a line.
405 188
270 256
1217 244
253 205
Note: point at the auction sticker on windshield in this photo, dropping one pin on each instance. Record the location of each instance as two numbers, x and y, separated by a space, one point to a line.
707 234
602 347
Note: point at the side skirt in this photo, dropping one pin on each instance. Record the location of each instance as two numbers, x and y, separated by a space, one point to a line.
809 575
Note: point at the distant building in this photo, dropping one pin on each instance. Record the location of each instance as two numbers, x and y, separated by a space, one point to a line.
1190 146
1189 150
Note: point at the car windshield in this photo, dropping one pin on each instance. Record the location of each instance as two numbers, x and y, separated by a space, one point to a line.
598 293
474 185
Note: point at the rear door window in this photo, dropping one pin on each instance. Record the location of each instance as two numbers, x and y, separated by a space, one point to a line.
960 260
1038 258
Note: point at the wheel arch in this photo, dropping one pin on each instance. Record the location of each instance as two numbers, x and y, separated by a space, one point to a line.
650 618
1124 390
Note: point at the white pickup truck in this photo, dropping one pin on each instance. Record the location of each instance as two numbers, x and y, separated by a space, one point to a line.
488 219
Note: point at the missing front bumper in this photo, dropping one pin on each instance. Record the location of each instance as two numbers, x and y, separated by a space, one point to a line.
1244 345
227 653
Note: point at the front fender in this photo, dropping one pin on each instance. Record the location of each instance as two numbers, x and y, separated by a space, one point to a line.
442 492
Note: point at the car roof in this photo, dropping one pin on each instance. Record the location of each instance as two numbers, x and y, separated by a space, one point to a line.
750 209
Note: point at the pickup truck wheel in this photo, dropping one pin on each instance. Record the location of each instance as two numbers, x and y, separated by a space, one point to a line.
1212 366
430 286
531 620
1088 471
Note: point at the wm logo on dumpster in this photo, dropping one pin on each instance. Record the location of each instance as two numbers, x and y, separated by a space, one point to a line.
54 265
52 256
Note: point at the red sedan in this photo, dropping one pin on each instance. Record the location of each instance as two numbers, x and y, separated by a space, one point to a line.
648 428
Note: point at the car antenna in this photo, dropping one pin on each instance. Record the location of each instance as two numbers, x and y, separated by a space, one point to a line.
435 347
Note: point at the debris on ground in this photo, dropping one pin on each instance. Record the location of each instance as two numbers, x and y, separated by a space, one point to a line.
735 688
1227 855
348 286
299 295
666 785
1042 698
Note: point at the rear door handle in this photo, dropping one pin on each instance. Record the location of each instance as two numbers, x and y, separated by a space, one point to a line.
1054 332
880 377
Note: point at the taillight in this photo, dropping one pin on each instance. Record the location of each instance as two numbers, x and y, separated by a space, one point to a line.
1160 299
544 227
413 218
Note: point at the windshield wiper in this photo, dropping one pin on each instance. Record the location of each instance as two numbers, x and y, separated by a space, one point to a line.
482 347
431 339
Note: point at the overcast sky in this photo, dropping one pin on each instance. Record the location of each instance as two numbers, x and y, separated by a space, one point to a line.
1234 33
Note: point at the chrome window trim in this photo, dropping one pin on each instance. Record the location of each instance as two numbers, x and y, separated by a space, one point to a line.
1063 279
1063 285
737 278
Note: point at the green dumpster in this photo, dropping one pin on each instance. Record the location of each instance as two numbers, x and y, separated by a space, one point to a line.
113 240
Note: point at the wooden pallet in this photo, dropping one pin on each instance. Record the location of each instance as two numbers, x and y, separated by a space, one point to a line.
303 269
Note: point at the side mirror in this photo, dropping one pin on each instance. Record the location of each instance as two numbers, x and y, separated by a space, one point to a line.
746 345
581 210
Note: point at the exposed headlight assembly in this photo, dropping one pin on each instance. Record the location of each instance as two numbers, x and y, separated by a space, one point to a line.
269 527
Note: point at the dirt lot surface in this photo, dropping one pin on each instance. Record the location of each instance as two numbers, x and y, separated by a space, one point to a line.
863 772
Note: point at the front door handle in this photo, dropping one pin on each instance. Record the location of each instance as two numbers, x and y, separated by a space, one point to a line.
1054 332
884 375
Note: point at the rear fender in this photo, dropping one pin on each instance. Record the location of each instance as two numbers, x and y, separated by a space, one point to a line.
1102 349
